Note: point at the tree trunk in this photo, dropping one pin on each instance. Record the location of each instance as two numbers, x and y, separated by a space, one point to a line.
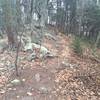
9 26
12 37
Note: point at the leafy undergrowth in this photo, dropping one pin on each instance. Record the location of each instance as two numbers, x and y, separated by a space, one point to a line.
81 82
62 77
81 79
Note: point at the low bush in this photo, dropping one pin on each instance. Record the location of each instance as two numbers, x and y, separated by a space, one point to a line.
77 46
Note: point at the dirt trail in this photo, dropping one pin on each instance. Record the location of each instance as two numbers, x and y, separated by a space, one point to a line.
64 77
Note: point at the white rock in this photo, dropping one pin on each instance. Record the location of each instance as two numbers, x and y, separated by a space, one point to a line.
29 93
44 52
23 80
16 82
28 46
18 96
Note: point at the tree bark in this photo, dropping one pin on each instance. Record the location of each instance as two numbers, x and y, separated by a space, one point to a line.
12 37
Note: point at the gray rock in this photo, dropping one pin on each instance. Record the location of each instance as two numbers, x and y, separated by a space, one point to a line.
32 56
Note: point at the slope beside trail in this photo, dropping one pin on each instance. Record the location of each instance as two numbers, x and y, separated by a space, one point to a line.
51 78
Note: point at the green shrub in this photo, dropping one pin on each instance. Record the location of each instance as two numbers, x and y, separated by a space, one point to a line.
77 47
95 53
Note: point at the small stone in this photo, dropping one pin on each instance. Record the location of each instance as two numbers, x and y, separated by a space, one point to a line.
23 80
16 82
10 89
57 80
29 93
18 96
32 89
1 69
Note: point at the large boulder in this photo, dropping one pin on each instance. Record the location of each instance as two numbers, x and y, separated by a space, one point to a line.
44 52
32 57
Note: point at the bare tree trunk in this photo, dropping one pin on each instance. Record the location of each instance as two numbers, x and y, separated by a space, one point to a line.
8 18
12 37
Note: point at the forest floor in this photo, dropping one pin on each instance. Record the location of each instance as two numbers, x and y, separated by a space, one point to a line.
62 77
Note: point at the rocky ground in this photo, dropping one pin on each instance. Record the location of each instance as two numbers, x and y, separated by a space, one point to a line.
57 74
